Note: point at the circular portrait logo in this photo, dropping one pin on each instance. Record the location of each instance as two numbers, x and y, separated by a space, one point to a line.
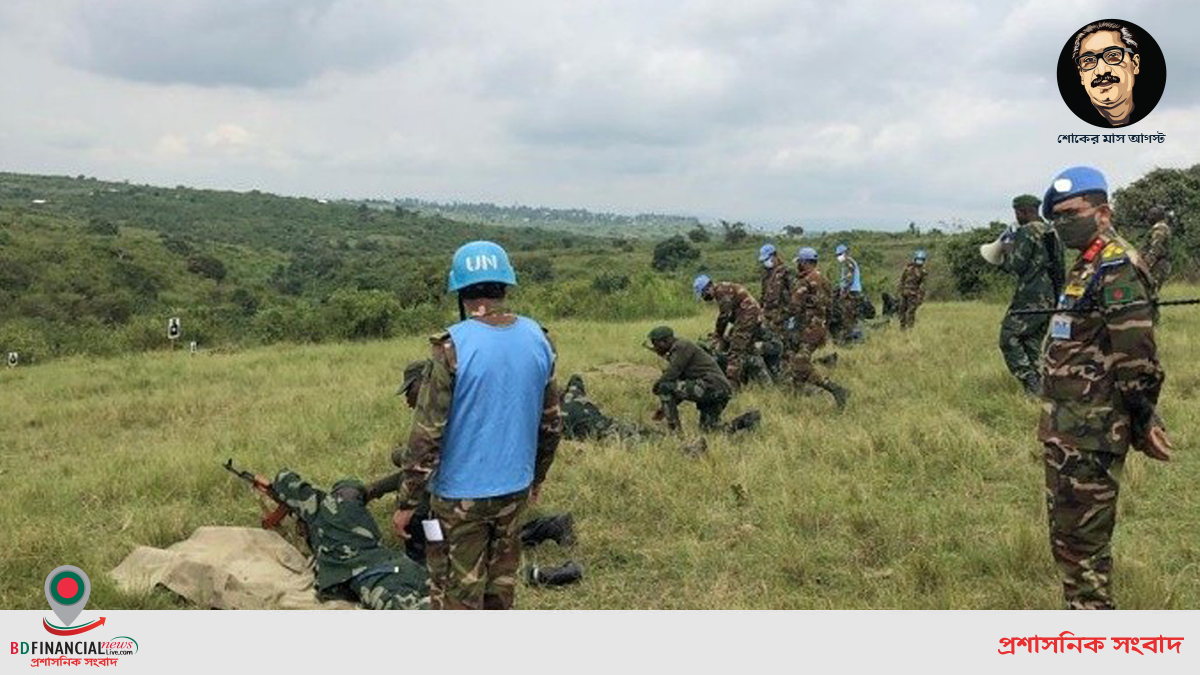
1111 73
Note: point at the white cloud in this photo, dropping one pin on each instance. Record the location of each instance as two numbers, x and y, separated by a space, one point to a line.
766 110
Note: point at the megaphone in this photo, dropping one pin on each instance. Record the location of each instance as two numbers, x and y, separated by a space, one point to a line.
993 252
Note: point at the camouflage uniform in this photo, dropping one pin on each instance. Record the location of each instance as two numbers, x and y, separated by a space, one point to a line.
848 301
811 299
1101 384
692 374
583 420
736 306
1158 254
912 293
480 534
347 546
1036 258
776 294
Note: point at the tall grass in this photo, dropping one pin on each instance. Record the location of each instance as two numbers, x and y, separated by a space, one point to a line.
926 493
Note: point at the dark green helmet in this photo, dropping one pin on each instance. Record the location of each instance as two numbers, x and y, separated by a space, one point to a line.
661 333
1021 201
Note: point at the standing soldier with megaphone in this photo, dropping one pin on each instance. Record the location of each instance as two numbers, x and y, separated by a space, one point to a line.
1032 252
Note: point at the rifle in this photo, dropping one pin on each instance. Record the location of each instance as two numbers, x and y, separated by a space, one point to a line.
1090 308
263 486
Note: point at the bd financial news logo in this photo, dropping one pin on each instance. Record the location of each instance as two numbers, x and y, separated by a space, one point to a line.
67 590
1111 73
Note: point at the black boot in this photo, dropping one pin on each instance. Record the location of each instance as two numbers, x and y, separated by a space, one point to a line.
567 573
840 394
560 528
747 421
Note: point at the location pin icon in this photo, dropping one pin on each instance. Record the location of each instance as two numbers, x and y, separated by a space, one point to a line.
67 591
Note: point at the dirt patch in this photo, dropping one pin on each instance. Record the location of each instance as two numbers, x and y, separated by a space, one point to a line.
627 371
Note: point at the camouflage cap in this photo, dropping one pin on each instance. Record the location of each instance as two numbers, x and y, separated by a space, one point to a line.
661 333
412 373
1023 201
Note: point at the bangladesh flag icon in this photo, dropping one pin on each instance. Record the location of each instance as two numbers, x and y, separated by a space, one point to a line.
67 591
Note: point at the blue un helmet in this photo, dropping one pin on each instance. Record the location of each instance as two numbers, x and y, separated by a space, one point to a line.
479 262
701 282
920 255
1073 182
841 249
806 254
765 253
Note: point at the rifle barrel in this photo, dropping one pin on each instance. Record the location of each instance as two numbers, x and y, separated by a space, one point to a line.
1035 312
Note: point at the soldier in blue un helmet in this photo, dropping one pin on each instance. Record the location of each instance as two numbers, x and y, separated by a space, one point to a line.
485 430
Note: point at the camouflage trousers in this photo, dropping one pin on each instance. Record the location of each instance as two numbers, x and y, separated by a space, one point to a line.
847 307
391 590
801 369
1021 344
742 354
709 402
908 311
475 566
1081 505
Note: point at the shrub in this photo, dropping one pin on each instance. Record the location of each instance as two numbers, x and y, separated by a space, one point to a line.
610 282
673 253
206 266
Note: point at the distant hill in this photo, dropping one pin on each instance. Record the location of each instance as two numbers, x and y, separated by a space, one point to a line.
644 225
91 266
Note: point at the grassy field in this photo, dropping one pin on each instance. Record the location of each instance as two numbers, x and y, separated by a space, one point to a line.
926 493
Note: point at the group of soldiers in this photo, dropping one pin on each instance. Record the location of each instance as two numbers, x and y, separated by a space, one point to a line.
489 414
777 338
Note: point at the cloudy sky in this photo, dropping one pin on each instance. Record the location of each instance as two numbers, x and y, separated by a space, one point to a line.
770 111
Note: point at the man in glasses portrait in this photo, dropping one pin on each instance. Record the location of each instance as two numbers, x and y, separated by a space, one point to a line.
1106 56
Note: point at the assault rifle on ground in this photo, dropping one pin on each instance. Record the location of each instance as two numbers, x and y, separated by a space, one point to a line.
1090 307
262 486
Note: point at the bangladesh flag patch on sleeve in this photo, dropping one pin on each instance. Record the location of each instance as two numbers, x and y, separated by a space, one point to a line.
1120 294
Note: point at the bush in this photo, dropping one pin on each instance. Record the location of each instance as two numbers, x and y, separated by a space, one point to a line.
673 253
102 227
610 282
973 276
206 266
537 269
735 233
361 314
1176 189
698 234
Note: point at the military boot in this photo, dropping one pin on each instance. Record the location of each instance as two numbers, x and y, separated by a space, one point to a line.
567 573
670 410
747 421
840 394
560 528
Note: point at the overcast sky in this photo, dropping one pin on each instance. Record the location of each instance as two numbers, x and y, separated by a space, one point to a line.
774 112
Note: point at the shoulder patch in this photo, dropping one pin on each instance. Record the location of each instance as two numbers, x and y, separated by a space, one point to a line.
1113 251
